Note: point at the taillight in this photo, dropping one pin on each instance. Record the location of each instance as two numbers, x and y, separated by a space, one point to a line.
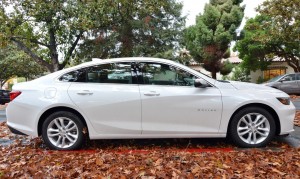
14 94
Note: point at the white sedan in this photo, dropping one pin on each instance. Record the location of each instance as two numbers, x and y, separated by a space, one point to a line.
139 97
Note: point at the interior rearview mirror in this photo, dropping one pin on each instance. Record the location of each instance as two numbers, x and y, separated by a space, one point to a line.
200 83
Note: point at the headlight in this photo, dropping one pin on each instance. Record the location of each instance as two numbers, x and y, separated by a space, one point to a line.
285 101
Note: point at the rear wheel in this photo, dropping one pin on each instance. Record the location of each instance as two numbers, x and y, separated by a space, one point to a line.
252 127
63 130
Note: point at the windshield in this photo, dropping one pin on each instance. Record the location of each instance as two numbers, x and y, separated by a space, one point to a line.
275 78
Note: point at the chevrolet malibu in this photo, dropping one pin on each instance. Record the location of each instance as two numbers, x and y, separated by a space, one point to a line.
139 97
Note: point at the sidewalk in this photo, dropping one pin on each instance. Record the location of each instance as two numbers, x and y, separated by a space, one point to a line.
2 107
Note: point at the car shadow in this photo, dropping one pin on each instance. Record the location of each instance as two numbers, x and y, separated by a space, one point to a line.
152 144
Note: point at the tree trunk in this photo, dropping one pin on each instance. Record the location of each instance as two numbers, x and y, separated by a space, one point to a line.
34 56
127 41
213 72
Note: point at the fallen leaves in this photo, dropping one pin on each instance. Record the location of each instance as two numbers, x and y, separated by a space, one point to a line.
25 161
294 97
178 158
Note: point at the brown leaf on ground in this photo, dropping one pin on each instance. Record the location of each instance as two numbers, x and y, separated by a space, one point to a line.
28 158
294 97
297 118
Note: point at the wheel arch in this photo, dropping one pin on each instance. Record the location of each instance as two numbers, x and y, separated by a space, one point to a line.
260 105
55 109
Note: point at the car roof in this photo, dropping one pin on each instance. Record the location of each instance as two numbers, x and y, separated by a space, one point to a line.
137 59
96 61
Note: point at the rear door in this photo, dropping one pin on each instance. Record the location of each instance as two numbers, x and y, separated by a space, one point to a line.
109 96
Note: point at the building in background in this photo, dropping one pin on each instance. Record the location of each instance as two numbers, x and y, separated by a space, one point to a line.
276 68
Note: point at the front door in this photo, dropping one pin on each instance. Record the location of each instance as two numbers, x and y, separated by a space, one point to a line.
172 105
289 84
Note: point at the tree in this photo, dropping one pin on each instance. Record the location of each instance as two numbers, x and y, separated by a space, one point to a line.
209 40
226 67
275 32
16 63
49 31
182 56
241 74
140 28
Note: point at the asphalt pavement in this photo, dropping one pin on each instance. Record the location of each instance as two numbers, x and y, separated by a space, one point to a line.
2 115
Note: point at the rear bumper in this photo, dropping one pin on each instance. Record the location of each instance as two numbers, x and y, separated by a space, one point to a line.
15 131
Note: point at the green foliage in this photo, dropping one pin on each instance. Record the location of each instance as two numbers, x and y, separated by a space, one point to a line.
226 67
251 50
273 33
49 31
182 57
260 80
140 28
16 63
209 39
240 74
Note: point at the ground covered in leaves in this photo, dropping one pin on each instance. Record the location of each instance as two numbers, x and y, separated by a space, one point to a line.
25 157
160 158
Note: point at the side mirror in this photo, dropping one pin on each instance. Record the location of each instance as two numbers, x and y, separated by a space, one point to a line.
200 83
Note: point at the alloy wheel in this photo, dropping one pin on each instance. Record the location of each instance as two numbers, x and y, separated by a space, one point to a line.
253 128
62 132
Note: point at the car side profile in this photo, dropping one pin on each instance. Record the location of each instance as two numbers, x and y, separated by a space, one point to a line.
288 83
140 97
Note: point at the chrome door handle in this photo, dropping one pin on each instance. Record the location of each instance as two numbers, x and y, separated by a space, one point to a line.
151 93
84 92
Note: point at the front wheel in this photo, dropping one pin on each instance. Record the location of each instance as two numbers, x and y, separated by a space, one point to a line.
252 127
63 130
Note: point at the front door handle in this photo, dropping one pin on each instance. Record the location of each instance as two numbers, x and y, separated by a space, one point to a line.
151 93
85 92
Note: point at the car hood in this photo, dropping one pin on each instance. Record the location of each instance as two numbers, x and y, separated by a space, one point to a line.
251 86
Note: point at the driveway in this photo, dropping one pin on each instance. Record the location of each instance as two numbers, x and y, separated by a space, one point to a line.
2 114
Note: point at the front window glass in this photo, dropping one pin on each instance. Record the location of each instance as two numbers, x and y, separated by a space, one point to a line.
162 74
275 78
290 77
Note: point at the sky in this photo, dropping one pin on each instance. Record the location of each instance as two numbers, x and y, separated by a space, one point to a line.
191 8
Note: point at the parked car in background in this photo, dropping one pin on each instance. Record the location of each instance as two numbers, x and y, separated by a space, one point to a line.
139 97
4 96
289 83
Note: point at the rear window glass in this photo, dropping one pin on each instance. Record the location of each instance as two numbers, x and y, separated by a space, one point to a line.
105 73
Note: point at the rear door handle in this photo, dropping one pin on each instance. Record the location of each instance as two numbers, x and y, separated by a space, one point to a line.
85 92
151 93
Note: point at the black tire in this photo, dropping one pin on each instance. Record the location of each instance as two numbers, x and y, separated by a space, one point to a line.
237 120
67 117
